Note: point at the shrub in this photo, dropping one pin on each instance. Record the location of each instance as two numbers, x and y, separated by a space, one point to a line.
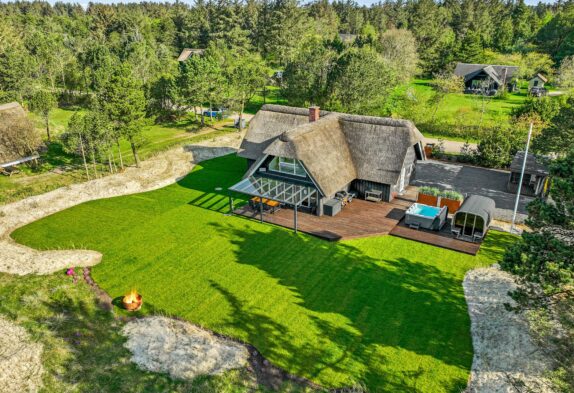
497 148
451 194
429 191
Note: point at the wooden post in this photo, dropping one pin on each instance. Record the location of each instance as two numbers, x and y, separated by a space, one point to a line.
261 208
295 217
231 205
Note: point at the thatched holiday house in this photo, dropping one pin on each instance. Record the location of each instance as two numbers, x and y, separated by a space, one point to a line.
311 159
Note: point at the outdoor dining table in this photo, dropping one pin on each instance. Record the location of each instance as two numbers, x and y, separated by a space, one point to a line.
274 205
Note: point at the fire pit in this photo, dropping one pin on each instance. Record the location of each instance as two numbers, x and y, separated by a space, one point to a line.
132 301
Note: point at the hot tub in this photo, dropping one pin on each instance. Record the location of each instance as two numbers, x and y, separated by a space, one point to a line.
427 217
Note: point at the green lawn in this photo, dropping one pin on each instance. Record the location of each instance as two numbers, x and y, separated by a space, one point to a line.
384 311
465 114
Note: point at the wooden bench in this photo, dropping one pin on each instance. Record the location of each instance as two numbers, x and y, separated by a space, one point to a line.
374 196
9 171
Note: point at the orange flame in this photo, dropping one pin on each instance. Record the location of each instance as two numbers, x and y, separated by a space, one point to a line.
131 296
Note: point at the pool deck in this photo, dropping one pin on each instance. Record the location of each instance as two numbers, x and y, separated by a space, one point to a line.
442 238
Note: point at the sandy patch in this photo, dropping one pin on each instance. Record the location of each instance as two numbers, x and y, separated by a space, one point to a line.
20 364
157 172
181 349
506 359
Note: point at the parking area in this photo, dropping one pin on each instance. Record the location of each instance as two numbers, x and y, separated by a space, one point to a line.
472 180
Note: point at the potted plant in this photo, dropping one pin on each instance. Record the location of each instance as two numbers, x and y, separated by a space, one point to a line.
451 199
428 196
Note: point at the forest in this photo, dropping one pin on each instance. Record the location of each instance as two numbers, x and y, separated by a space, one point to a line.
114 69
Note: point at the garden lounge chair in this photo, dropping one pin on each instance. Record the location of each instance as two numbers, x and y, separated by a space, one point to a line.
477 237
455 232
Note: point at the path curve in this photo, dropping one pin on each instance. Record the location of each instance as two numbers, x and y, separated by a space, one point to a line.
156 172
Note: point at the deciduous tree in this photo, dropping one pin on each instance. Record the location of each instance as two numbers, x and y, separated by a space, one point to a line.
43 102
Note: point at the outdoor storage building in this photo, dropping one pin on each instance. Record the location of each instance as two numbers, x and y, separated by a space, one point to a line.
474 216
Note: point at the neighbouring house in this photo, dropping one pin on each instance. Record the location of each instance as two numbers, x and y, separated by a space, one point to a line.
18 139
485 78
536 85
305 158
186 53
347 39
535 180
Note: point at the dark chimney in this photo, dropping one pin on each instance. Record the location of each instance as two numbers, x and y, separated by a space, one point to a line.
314 113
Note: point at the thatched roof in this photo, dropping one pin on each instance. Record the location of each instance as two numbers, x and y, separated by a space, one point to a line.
323 150
496 72
270 122
335 149
187 52
9 113
534 165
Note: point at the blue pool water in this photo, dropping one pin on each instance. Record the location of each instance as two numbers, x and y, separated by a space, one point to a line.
424 210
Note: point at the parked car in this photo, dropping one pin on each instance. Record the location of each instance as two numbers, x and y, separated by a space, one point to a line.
538 92
215 112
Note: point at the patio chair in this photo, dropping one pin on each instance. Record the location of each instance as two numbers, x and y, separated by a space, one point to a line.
477 236
455 232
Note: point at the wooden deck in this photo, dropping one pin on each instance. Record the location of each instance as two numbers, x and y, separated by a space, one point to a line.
358 219
442 238
362 219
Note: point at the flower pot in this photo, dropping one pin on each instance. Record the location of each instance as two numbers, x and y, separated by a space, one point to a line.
429 200
452 204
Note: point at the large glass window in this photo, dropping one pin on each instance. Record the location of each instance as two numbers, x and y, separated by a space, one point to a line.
288 166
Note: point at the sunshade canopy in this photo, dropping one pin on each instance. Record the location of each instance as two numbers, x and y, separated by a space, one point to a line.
273 189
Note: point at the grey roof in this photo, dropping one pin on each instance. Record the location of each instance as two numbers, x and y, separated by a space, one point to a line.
468 71
541 77
478 205
534 165
337 148
347 38
187 52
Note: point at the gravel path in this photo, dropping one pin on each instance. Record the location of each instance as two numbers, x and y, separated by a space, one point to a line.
181 349
20 359
505 357
157 172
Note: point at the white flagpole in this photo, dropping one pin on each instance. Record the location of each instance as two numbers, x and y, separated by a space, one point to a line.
512 229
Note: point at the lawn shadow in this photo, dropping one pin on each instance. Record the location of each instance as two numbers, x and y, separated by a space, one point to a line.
388 305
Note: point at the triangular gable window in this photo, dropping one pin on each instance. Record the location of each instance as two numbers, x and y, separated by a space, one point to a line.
287 166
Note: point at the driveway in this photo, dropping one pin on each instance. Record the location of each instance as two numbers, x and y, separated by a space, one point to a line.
472 180
449 146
